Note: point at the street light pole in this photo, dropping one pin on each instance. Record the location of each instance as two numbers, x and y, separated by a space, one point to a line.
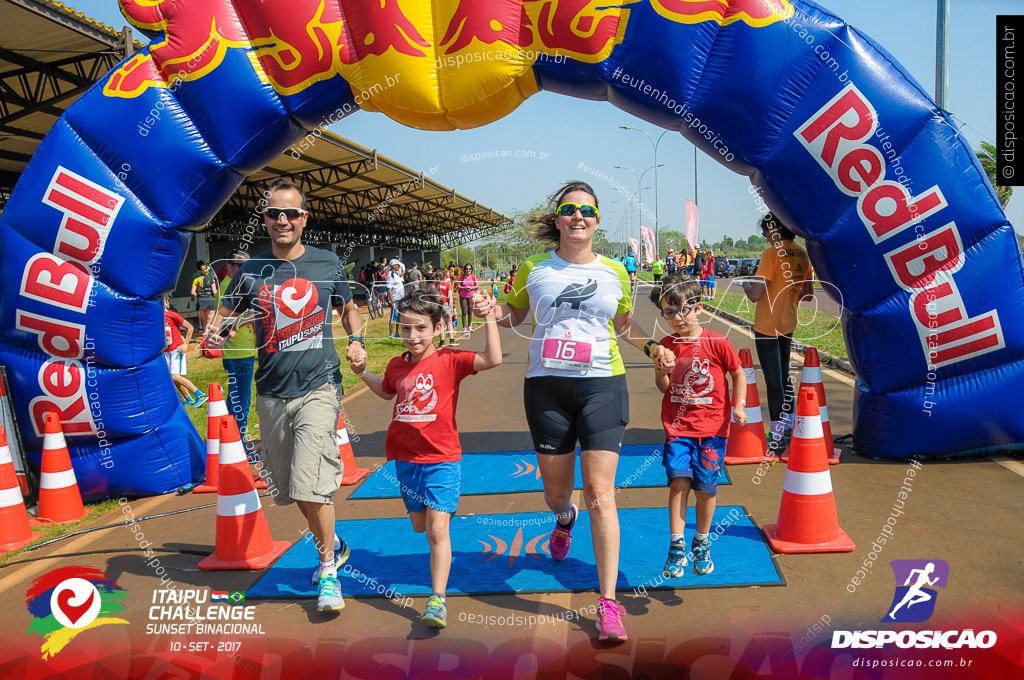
657 222
640 194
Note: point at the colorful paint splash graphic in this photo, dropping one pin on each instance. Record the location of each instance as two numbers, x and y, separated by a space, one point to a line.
70 600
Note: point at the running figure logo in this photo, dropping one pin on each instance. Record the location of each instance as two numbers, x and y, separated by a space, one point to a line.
914 601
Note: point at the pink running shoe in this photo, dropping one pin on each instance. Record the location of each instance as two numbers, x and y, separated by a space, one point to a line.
609 620
561 538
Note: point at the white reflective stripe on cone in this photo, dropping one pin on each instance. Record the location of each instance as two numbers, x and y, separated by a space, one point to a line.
751 378
808 483
824 414
753 414
5 455
10 497
811 374
239 504
217 408
808 427
232 453
57 480
212 446
341 436
54 441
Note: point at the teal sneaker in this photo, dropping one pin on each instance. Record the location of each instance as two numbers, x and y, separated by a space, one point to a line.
436 614
702 564
676 563
340 557
189 401
199 398
328 593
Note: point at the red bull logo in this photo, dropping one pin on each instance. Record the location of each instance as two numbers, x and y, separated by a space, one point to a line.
515 548
752 12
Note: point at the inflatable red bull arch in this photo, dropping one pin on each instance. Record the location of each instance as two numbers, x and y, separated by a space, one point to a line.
837 138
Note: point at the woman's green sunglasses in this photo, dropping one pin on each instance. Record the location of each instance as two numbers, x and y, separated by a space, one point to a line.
569 209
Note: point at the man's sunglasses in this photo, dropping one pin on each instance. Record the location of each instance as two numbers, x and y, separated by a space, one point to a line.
290 213
569 209
670 313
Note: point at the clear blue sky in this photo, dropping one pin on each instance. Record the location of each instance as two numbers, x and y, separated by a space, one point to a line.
571 130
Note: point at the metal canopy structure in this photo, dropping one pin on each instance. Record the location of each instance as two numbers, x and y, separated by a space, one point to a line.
50 55
359 197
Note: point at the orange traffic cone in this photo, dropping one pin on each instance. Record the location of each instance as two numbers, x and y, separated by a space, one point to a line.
209 485
352 473
808 521
14 529
811 375
243 536
747 444
216 407
7 407
60 501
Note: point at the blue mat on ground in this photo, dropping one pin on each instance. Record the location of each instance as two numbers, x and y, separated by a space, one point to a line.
508 554
516 471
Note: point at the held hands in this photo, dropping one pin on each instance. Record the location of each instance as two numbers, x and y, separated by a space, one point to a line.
664 360
739 415
356 358
483 305
215 340
356 355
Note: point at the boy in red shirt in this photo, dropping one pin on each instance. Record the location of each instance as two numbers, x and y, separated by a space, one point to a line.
422 439
174 350
695 414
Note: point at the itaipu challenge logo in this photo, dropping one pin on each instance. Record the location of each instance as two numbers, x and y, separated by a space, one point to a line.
70 600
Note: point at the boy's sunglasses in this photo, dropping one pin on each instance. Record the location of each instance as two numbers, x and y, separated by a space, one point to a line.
670 313
569 209
290 213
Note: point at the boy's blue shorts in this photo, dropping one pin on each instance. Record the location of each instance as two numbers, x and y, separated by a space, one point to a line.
696 458
394 314
429 485
711 281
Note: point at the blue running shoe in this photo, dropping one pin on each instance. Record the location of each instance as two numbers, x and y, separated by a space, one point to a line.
340 557
702 564
436 615
199 398
676 563
328 593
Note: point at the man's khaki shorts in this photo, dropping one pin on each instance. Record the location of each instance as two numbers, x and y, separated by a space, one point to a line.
298 435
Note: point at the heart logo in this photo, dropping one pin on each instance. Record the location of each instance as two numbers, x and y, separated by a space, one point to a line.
75 603
297 298
74 612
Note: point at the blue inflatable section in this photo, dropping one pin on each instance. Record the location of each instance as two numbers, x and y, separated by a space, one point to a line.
836 138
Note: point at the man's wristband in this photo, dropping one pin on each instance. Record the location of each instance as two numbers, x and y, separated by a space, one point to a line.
363 374
356 338
647 347
741 402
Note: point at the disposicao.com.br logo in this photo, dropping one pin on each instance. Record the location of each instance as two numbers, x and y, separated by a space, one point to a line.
914 601
70 600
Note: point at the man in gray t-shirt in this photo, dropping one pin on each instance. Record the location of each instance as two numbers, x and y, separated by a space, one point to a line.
293 289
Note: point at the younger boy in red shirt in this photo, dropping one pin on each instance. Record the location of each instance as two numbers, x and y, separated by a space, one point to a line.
695 414
422 439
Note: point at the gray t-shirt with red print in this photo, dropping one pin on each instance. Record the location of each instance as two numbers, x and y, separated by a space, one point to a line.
293 300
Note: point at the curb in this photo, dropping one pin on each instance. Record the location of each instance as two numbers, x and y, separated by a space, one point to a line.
798 347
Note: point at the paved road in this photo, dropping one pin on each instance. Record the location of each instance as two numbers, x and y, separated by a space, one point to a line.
966 512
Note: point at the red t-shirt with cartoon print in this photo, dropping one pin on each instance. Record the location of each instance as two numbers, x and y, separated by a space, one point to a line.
172 333
697 402
423 424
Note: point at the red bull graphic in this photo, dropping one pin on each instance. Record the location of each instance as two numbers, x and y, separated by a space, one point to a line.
516 547
897 212
752 12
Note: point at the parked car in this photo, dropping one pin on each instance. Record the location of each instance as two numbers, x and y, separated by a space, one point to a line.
734 266
748 266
